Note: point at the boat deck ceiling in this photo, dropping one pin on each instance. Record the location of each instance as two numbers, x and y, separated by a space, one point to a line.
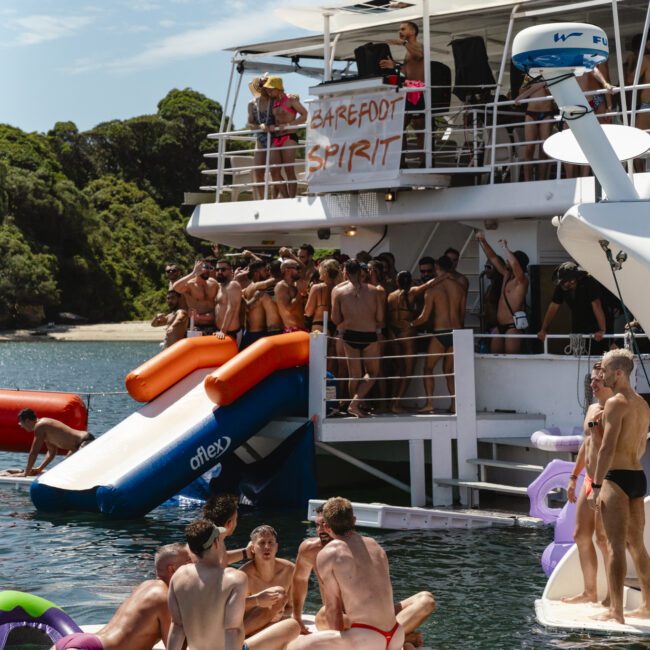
487 18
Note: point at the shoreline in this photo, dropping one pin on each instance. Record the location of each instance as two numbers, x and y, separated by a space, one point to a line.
124 331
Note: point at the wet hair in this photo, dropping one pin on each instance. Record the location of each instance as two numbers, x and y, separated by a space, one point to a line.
264 529
166 555
412 25
363 256
197 533
352 267
253 267
404 281
597 366
26 414
523 260
620 359
331 267
338 515
275 269
223 260
219 508
444 263
388 256
307 247
426 260
451 250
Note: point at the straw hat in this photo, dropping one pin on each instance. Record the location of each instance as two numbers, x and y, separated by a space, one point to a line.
255 86
274 83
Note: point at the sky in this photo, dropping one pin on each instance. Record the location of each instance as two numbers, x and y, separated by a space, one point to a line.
98 60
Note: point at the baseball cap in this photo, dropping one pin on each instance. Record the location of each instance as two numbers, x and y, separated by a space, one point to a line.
216 531
567 271
274 82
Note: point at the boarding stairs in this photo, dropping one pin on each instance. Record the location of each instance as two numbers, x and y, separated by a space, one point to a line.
507 462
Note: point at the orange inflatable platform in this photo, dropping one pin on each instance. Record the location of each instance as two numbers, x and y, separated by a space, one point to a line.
254 364
157 374
66 407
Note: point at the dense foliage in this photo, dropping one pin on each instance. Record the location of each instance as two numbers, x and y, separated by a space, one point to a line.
89 219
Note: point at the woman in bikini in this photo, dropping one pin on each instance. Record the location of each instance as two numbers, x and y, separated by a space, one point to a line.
538 125
400 314
287 112
260 117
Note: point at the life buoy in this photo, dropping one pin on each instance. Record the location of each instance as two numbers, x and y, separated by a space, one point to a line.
556 439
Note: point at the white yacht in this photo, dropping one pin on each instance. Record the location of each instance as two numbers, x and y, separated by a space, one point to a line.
468 175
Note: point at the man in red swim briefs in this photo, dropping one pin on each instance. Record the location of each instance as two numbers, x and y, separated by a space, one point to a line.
355 578
588 521
143 619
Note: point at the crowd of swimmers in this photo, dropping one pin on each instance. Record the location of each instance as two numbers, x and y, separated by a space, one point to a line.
197 600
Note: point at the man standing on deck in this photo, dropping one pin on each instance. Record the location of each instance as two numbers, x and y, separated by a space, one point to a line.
290 296
588 521
619 483
355 580
454 256
357 311
410 612
413 70
143 618
200 291
227 316
175 321
257 298
54 434
446 301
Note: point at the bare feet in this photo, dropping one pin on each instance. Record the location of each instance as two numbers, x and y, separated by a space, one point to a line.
356 412
415 639
605 603
398 408
642 612
609 615
427 408
581 598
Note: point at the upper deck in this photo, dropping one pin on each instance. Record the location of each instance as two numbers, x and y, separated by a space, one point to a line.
461 154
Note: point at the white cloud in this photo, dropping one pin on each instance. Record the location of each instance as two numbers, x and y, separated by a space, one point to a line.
166 24
39 28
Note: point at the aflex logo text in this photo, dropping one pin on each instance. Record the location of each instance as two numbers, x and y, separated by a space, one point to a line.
564 37
206 454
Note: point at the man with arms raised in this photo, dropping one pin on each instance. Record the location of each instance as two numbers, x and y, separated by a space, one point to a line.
290 295
227 315
355 580
619 483
446 301
143 619
513 293
175 321
266 574
588 521
54 434
207 601
410 612
358 310
200 291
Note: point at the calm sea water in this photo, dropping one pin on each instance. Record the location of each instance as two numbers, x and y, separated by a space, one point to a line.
485 581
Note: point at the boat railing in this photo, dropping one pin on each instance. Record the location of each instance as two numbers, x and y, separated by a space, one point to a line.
479 144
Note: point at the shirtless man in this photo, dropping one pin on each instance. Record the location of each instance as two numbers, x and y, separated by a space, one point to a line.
207 601
200 291
175 322
143 619
290 295
454 256
355 580
173 273
446 300
619 483
266 573
357 311
227 315
588 521
306 257
413 69
513 293
253 298
54 434
410 612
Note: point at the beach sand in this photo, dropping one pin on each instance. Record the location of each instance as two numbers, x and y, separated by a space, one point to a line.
127 331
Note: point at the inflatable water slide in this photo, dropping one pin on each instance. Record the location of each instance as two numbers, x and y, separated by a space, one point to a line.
203 401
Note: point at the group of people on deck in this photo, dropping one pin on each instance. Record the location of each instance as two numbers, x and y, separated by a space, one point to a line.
198 600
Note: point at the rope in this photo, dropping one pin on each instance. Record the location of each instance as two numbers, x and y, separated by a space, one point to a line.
401 356
406 338
391 399
451 374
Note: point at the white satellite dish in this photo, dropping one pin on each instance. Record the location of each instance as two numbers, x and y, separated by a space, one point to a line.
627 142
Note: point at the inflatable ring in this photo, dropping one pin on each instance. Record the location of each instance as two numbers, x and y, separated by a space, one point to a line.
555 475
556 439
28 619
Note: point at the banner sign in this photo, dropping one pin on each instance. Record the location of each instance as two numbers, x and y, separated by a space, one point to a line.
354 138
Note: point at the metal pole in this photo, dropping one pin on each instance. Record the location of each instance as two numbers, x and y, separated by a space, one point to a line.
637 74
224 108
234 101
327 73
619 57
428 118
497 92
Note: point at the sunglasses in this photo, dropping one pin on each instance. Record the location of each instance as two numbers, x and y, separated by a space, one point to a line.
171 270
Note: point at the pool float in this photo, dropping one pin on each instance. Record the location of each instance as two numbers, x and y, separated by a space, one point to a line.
32 621
557 439
555 475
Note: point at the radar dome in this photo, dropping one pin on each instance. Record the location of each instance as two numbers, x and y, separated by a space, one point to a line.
575 46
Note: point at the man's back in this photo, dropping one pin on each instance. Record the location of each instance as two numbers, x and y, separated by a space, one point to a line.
59 434
359 306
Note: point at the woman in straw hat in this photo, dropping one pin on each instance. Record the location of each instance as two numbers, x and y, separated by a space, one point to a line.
260 118
287 112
